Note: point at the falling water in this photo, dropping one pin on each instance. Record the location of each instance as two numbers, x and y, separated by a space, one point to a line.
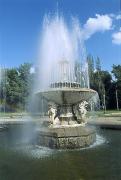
62 56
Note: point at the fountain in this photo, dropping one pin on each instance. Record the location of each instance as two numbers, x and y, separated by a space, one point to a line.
65 86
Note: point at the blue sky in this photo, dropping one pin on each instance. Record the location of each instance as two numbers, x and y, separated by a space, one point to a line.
21 22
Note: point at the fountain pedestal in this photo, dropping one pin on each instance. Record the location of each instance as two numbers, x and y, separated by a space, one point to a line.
66 115
66 137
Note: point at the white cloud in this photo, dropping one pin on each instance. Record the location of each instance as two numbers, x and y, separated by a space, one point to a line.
118 16
115 16
100 23
116 38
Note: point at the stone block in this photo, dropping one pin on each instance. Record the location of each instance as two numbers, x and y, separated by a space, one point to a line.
67 137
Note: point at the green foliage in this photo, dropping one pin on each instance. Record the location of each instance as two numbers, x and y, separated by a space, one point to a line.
18 86
2 88
90 62
117 72
98 64
26 81
17 82
12 87
102 84
117 84
101 81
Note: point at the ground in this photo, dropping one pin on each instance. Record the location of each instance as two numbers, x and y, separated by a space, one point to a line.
110 118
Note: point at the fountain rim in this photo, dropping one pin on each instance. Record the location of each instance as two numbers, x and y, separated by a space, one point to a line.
60 91
65 89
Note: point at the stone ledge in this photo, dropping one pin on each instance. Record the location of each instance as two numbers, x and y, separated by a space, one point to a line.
67 138
67 131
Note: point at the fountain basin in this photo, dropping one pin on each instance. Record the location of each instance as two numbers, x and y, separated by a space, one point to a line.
66 95
66 137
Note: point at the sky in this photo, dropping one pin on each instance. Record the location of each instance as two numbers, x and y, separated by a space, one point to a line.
21 23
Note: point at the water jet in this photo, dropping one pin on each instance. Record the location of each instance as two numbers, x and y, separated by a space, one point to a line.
64 83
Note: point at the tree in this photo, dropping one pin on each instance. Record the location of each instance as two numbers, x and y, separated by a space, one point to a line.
26 81
90 62
2 88
98 64
18 86
117 84
102 84
107 83
13 91
101 81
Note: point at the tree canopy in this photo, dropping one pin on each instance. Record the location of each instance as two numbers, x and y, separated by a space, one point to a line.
104 83
16 84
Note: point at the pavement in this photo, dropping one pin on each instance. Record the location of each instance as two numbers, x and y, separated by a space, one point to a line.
106 122
14 120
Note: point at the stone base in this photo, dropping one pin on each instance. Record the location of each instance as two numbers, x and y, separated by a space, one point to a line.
66 137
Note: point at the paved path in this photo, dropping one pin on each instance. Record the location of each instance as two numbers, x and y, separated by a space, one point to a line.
14 120
106 122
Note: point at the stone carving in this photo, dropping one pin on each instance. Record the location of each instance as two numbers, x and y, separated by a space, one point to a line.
64 116
81 111
82 108
52 112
